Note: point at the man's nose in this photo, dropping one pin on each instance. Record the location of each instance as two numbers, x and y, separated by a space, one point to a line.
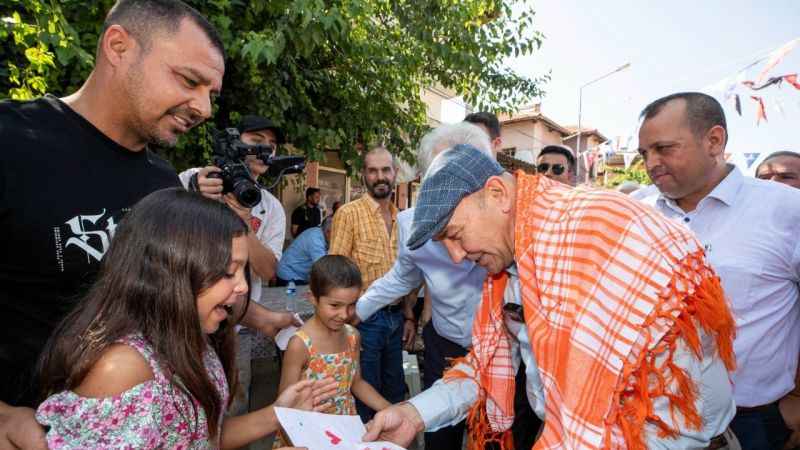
201 104
457 254
651 160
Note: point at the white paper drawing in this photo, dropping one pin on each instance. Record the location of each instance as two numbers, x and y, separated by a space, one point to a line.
318 431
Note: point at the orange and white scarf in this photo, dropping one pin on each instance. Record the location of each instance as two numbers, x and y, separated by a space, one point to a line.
607 284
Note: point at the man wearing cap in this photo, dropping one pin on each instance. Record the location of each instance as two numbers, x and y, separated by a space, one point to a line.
557 163
630 329
267 223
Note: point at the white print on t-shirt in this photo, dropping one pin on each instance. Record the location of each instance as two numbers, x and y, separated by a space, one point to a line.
90 233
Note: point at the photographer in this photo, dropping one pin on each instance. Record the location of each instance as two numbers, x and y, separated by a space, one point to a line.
267 223
266 219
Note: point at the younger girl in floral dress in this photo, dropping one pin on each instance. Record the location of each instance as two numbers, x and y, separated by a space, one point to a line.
326 346
147 359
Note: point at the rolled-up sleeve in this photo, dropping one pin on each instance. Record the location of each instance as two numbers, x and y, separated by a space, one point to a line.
402 278
446 403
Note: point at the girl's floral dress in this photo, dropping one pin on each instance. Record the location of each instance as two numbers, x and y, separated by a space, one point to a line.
150 415
340 366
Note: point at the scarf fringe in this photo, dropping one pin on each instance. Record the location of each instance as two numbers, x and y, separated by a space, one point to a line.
479 429
694 297
701 302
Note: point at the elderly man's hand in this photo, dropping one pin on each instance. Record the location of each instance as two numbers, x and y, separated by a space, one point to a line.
397 423
19 429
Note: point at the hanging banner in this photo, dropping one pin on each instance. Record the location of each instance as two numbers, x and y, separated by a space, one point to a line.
776 57
750 158
761 113
733 89
628 159
792 79
779 107
588 159
737 104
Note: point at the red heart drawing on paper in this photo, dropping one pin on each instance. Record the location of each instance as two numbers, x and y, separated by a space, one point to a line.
334 438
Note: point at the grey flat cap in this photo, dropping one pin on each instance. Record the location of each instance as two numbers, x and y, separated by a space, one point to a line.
452 176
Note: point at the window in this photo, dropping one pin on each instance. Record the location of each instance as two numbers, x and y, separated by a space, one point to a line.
510 151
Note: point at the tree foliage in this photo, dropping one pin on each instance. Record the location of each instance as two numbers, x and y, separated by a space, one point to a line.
333 73
636 172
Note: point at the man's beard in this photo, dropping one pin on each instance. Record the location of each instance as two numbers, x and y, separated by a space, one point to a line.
150 132
373 190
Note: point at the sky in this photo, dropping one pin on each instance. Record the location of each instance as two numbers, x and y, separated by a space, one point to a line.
672 46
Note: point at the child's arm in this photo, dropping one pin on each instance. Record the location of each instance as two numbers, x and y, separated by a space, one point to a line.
310 395
242 430
363 390
295 359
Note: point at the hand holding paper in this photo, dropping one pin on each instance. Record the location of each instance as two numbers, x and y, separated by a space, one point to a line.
318 431
398 423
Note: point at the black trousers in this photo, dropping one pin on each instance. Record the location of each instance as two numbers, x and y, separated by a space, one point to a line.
526 422
760 428
438 352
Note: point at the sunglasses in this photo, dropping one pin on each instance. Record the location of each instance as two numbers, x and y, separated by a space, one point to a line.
558 169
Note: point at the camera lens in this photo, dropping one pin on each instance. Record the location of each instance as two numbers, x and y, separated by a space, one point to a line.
247 193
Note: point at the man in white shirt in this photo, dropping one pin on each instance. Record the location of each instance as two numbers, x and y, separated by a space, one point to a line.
454 289
749 229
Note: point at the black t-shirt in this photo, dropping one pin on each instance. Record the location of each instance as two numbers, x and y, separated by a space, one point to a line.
64 186
305 217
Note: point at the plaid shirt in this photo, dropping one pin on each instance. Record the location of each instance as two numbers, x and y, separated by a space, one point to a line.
359 233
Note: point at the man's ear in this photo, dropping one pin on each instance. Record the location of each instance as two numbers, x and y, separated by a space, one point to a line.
716 138
497 192
116 44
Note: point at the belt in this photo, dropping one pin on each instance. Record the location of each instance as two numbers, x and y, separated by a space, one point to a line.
393 308
718 442
761 408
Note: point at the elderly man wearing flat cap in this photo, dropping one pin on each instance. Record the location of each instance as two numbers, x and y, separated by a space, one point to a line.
622 324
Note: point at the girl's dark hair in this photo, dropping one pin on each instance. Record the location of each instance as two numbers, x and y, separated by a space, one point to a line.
170 247
331 272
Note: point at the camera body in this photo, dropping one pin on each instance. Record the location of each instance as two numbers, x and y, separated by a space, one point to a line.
229 155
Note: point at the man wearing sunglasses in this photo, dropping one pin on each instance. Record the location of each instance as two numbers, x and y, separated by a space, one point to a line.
557 163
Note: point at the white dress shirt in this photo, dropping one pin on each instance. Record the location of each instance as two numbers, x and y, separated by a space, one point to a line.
271 230
455 289
751 232
447 402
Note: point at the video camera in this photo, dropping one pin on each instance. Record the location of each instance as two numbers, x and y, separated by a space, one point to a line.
229 154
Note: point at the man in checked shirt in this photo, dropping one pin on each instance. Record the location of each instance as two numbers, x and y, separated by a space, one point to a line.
365 230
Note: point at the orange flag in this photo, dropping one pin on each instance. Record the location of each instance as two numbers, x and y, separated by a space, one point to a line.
761 113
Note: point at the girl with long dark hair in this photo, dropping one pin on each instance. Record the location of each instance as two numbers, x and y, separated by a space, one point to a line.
147 358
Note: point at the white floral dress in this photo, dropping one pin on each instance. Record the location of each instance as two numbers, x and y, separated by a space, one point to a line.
150 415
